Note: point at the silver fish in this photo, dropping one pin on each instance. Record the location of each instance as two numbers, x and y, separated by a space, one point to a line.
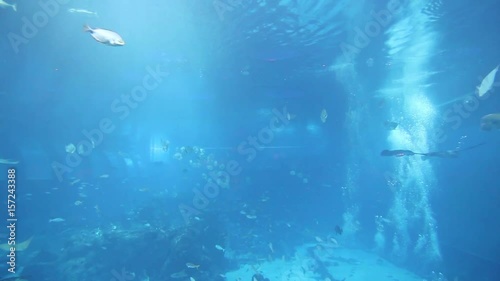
8 161
487 83
105 36
323 115
219 247
82 11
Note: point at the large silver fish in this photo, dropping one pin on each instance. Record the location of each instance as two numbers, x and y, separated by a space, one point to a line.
105 36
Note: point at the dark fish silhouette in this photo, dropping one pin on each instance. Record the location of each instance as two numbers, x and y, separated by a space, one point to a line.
389 125
440 154
398 153
338 230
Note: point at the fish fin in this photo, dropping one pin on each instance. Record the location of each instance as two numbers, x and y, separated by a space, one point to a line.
86 28
14 7
478 92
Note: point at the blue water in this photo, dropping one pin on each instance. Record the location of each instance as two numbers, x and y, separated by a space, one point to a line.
206 128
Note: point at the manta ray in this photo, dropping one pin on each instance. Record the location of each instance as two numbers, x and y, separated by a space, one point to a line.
19 246
440 154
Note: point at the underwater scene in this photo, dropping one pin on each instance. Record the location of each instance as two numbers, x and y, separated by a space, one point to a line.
255 140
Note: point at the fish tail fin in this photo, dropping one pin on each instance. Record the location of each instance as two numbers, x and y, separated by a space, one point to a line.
14 7
86 28
478 92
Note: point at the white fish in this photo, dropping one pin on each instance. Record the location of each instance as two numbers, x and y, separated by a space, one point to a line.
82 11
57 220
323 115
4 4
8 161
219 247
487 83
334 241
70 148
105 36
192 265
75 181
